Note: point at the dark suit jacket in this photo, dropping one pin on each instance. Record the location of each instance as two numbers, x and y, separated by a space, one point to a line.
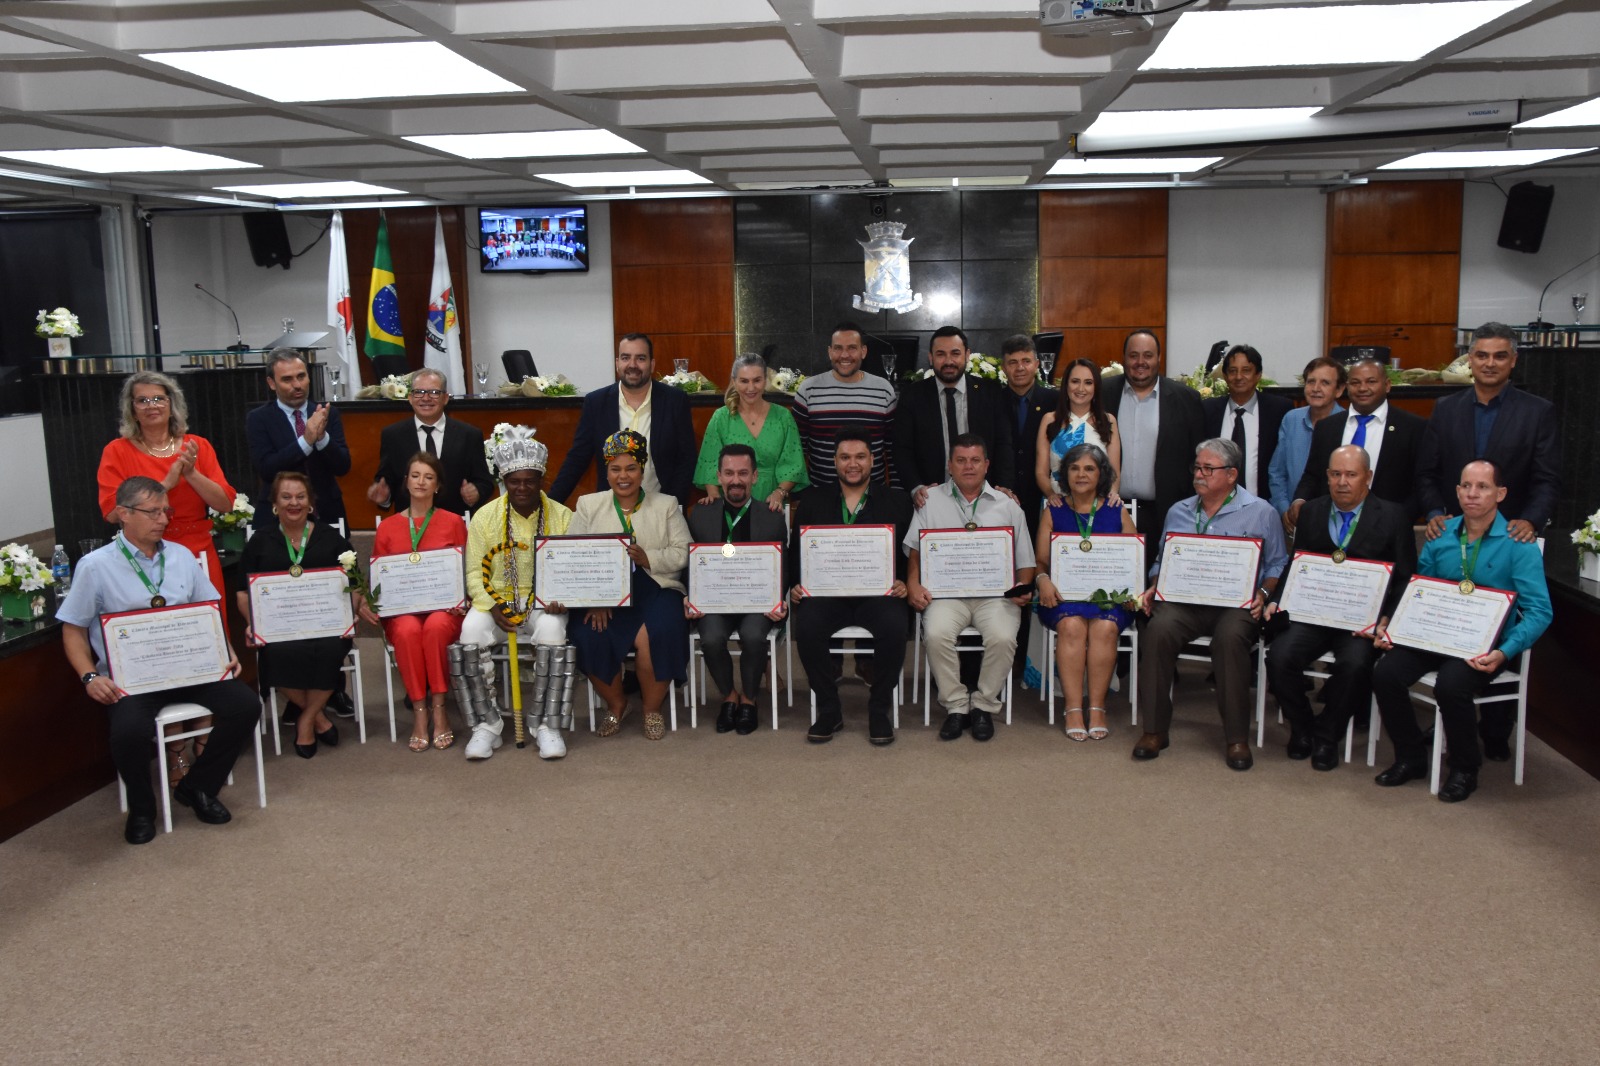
1383 532
1269 416
1395 479
1183 427
1041 401
274 448
1525 444
820 507
460 452
919 454
706 526
672 446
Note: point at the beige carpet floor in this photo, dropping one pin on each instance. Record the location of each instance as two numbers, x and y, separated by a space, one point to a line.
718 899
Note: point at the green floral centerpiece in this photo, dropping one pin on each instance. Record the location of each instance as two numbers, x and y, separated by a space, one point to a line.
1107 599
227 527
58 327
978 365
1587 538
23 579
1214 384
689 381
784 379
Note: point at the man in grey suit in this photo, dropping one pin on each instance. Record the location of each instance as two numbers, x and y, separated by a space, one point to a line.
736 519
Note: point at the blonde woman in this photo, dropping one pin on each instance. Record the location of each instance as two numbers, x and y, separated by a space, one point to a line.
748 417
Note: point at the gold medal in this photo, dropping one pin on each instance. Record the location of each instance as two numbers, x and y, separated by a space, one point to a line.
296 570
1338 555
728 551
158 601
1466 586
1085 545
972 525
416 557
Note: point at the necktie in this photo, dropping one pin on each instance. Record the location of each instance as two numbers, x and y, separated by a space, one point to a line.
1238 438
1022 415
1360 438
1344 524
950 417
299 423
427 444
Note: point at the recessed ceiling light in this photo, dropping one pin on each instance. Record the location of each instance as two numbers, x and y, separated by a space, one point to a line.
304 190
1213 120
608 178
1071 167
1510 157
130 160
1320 36
1584 114
342 71
529 145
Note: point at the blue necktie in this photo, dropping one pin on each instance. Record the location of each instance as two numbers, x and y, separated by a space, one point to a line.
1360 438
1346 516
1022 414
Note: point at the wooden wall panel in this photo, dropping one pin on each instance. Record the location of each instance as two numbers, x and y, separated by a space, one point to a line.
687 298
1103 222
672 277
1382 290
655 232
411 249
710 353
1396 216
1104 346
1103 292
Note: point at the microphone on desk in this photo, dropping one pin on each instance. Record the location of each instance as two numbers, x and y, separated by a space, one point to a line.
239 345
1538 316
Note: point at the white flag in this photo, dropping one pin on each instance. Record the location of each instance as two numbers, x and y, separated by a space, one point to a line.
444 331
341 352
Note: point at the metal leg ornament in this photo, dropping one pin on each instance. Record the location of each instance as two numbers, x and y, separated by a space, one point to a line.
472 678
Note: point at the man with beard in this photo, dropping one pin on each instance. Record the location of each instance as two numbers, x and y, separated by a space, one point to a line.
938 409
846 397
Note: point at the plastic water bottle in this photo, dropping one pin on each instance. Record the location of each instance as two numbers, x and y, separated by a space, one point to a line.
61 570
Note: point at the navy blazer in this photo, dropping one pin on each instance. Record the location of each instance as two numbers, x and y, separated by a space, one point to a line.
274 448
460 453
1525 444
919 453
1383 532
673 451
1269 417
1395 479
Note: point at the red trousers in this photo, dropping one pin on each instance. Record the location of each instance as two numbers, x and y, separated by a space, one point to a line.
419 642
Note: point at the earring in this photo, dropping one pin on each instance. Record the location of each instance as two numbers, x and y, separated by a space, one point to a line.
274 510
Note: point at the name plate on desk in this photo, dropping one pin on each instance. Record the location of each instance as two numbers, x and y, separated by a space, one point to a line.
160 648
1345 595
314 604
1114 561
840 560
1435 615
419 582
746 580
967 563
1209 571
582 571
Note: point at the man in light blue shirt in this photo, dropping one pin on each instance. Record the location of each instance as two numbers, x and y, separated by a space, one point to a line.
1324 385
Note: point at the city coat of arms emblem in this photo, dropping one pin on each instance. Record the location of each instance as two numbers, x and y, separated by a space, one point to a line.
888 270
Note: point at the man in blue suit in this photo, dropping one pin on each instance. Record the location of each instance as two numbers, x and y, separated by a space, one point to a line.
288 434
659 412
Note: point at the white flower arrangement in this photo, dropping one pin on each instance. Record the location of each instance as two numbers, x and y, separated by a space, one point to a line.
1458 372
395 387
689 381
554 385
784 379
1112 370
978 365
1208 386
1587 536
243 510
57 323
21 570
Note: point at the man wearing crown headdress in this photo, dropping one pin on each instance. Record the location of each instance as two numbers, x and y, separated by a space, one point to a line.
500 564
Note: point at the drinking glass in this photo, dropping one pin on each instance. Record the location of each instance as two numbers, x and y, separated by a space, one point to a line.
481 373
1047 363
888 365
1580 300
680 366
333 371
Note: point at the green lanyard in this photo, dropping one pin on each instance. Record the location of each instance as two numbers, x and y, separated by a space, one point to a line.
295 569
1086 529
848 515
1350 531
732 520
1200 512
972 520
416 534
627 526
1469 568
156 599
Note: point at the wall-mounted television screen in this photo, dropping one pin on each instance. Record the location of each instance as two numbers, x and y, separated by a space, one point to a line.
533 240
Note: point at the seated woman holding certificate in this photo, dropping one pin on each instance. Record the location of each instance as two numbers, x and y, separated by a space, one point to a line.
1473 550
652 624
1086 634
420 640
304 671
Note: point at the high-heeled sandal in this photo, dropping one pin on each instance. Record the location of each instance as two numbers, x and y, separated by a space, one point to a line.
1075 732
178 765
444 740
418 743
655 725
1099 732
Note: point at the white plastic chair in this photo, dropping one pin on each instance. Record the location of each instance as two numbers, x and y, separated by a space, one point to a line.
1326 659
857 633
927 672
697 691
1127 641
672 696
177 713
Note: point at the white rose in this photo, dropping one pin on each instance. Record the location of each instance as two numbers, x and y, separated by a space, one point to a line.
347 560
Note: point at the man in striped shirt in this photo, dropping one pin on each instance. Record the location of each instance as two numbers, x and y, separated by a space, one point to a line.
847 396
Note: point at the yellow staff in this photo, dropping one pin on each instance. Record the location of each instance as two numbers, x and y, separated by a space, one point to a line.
516 618
516 693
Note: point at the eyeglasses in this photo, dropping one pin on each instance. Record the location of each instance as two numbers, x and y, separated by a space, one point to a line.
153 512
151 401
435 393
1206 471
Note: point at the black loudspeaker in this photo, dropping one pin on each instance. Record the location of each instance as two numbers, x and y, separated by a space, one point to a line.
1527 211
269 240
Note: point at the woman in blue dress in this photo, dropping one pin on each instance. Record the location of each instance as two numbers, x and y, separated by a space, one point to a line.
1086 635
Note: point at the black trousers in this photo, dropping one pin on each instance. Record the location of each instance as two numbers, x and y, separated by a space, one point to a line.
235 711
715 629
1457 686
1345 693
817 618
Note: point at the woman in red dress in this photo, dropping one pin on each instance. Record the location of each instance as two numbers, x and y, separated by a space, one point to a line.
420 640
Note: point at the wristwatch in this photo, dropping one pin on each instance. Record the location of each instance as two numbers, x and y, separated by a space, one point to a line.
90 676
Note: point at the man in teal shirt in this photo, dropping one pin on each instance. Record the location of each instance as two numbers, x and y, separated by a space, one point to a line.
1474 546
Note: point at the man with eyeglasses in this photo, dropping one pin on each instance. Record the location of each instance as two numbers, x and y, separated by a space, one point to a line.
457 445
136 571
1221 507
292 433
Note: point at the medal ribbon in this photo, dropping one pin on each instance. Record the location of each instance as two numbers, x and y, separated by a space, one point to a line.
960 503
1467 568
730 521
1200 512
161 566
417 534
294 556
848 515
1349 530
1086 529
626 524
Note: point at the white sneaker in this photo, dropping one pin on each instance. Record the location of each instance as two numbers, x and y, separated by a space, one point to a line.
551 746
484 741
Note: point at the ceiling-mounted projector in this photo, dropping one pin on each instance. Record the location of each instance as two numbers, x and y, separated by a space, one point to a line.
1096 16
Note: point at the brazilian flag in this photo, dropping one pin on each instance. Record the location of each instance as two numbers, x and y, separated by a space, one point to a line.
383 303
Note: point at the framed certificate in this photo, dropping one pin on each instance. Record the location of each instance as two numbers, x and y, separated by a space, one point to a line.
841 560
315 604
419 582
583 571
735 578
1209 571
1114 561
1435 615
1345 595
165 647
960 564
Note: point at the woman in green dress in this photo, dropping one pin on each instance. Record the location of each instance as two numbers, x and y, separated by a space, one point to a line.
748 417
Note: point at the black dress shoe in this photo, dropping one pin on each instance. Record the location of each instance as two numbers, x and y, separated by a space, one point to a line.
291 712
880 729
342 705
745 724
141 829
953 727
1459 785
823 729
982 725
305 751
1325 755
1300 745
1239 758
1402 771
1496 749
329 736
206 808
725 716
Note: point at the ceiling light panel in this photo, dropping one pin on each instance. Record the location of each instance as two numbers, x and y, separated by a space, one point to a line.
342 71
1584 114
1175 165
1322 36
529 145
1214 120
305 190
1515 157
617 178
130 160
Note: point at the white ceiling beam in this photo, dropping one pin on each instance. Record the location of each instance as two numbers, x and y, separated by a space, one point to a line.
822 51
